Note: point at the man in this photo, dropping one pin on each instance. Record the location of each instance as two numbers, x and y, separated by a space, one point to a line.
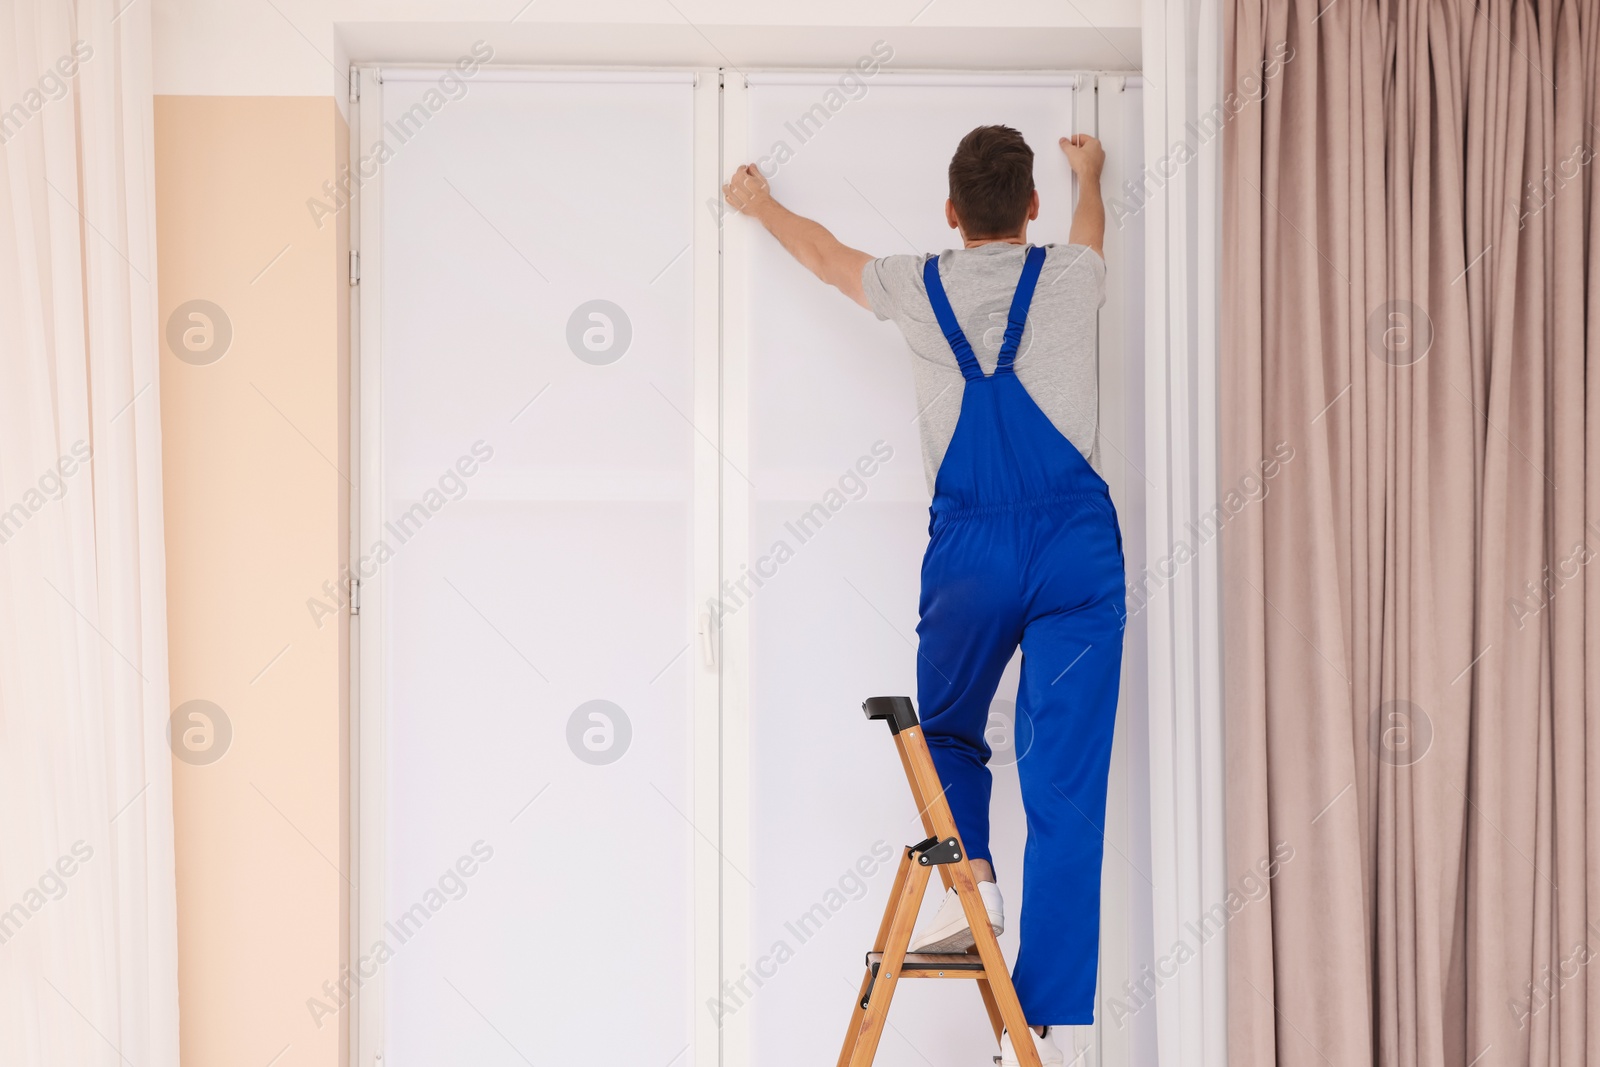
1024 547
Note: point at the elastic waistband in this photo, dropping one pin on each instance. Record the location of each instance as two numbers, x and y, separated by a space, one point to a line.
945 508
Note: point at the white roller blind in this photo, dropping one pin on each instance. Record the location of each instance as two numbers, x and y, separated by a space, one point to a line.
839 551
536 450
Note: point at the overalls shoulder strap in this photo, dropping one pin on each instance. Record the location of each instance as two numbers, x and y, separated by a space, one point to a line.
1015 321
947 320
1021 300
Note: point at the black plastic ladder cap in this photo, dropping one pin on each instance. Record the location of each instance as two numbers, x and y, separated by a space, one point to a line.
898 712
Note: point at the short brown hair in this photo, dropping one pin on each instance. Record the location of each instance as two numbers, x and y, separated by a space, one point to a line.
991 182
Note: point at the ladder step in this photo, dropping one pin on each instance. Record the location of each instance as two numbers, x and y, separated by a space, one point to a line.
941 852
933 965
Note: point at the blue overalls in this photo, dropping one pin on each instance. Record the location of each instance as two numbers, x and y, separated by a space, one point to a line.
1023 547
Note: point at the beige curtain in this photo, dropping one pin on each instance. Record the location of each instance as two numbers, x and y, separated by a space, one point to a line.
1412 612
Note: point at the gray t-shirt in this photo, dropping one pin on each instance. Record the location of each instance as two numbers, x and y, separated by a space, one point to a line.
1056 361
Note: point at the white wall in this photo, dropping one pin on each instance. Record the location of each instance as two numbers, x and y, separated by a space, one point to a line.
305 47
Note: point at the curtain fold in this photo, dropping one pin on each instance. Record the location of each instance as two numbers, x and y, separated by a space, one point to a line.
1185 499
1411 623
88 942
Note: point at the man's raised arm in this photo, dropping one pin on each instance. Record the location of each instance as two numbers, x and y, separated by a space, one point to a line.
818 251
1086 158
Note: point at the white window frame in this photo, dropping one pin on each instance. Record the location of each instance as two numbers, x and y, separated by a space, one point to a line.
721 727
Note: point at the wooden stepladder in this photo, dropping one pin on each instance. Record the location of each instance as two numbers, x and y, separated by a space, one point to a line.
888 962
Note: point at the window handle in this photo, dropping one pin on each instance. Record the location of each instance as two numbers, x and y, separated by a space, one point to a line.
708 640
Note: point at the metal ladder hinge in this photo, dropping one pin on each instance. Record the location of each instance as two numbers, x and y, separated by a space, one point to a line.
934 853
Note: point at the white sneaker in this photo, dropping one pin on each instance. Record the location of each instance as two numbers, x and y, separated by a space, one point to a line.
949 931
1049 1054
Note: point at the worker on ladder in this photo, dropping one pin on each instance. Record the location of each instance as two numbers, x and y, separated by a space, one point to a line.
1024 547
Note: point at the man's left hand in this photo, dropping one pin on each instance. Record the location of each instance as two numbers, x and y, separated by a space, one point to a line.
747 191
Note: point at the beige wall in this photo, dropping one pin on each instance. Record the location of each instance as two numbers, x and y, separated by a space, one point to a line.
256 461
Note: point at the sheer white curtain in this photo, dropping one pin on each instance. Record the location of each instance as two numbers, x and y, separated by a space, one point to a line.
88 943
1178 195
